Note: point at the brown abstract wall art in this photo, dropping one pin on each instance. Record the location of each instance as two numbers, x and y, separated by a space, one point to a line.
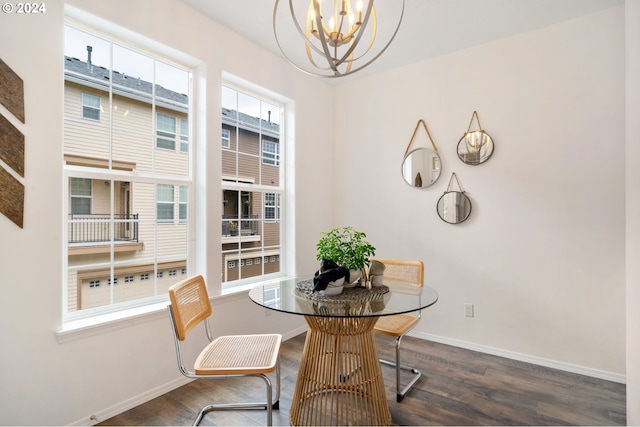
11 91
11 145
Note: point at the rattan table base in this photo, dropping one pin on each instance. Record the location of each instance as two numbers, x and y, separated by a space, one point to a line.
340 379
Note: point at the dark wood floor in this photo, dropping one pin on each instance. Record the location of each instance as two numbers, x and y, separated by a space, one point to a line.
458 387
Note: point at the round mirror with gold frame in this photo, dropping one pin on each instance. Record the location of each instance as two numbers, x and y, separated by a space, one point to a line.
421 166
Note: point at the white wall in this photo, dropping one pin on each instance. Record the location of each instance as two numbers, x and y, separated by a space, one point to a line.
45 382
632 26
542 255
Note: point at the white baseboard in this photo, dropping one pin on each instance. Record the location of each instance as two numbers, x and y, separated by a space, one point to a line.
100 416
549 363
105 414
165 388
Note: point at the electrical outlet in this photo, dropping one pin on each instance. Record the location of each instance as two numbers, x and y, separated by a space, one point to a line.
468 309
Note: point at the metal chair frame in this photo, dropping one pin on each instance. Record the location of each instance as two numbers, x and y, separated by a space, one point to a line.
407 323
275 401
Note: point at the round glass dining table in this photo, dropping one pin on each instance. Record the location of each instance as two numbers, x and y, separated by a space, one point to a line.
340 379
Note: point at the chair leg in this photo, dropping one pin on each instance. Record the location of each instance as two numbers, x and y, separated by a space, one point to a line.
274 402
400 394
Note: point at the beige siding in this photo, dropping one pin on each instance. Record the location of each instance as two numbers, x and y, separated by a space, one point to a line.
133 139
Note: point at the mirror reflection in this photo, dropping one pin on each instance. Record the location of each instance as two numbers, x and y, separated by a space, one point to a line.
454 207
475 147
421 167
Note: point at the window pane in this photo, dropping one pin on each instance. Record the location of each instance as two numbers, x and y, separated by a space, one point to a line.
165 193
80 187
166 124
90 106
183 203
184 135
124 243
80 206
165 211
250 153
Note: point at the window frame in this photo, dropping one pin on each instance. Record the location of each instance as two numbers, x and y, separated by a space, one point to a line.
169 204
164 134
80 196
108 169
253 186
275 216
226 140
86 107
270 157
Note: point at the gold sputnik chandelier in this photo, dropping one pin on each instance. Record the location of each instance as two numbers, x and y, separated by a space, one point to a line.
337 39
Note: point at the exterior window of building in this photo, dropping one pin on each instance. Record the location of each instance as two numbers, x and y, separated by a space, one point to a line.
252 186
80 192
226 135
184 135
90 106
182 203
126 207
270 152
271 207
166 131
165 202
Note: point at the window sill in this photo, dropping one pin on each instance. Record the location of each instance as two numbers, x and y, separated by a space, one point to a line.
96 325
83 328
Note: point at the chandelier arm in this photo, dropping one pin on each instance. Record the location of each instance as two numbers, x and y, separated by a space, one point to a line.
353 45
375 26
379 53
323 39
275 33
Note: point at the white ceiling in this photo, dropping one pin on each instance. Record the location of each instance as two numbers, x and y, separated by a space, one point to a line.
430 28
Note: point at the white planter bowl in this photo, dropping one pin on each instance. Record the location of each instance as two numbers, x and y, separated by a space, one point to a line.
334 288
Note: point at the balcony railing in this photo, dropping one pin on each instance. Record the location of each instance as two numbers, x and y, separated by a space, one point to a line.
246 226
94 228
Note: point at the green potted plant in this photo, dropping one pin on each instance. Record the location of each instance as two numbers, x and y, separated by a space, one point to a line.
348 248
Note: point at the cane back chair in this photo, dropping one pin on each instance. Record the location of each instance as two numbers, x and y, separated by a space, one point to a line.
411 273
225 356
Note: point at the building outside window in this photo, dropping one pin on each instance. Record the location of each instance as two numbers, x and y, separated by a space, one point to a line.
252 186
90 106
226 135
128 173
271 207
80 190
270 152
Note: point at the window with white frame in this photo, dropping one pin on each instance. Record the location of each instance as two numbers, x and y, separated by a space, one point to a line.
80 192
90 106
270 152
166 131
126 199
184 135
182 203
226 138
271 207
166 202
253 186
